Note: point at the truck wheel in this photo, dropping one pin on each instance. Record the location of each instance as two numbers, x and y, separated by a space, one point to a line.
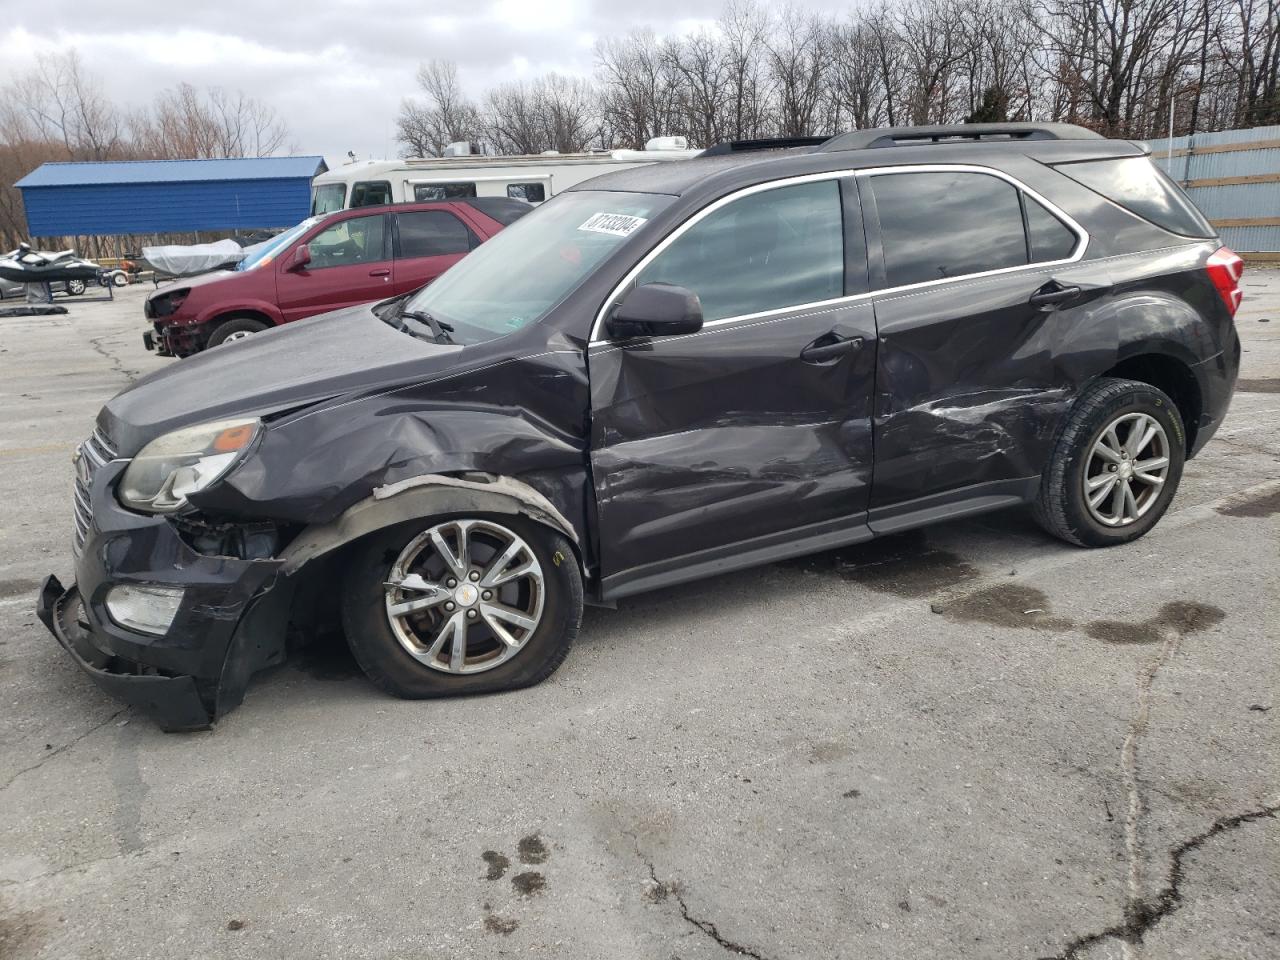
75 287
237 328
1115 466
462 605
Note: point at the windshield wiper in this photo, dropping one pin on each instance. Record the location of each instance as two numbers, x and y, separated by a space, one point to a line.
439 329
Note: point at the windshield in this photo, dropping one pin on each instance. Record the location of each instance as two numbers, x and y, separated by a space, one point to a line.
512 280
263 253
328 197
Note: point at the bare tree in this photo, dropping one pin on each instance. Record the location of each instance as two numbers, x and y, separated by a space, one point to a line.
640 98
745 28
1116 53
425 127
1248 42
551 113
58 102
797 59
701 67
186 122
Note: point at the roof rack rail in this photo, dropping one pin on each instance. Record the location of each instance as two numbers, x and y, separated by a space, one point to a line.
958 132
773 143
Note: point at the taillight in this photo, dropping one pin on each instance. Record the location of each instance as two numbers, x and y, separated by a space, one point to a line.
1225 270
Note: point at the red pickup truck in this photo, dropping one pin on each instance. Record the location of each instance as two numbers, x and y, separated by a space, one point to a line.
324 264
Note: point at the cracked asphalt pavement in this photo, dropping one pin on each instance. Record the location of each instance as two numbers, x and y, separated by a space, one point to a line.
972 741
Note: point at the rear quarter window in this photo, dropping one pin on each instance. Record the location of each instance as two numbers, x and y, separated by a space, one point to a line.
506 211
1139 186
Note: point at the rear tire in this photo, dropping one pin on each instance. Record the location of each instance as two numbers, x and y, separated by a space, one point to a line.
75 287
381 643
1095 492
237 328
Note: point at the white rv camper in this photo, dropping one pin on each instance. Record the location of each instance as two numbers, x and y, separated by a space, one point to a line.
460 174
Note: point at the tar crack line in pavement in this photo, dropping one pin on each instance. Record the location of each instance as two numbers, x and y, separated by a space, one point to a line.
674 891
49 755
1141 913
1144 915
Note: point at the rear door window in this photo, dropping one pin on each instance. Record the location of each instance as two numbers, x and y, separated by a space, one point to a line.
371 194
427 192
1139 186
944 224
433 233
766 251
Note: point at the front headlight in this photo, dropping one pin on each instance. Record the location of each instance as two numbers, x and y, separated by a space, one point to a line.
172 467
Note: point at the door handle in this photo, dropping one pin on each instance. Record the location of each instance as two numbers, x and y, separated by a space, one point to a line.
1052 295
820 352
380 273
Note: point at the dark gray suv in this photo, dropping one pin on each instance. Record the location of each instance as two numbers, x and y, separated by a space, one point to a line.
673 371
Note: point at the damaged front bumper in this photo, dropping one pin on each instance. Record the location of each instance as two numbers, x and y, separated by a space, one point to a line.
174 702
229 624
174 339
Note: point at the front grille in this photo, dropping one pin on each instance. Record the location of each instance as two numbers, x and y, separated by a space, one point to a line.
90 457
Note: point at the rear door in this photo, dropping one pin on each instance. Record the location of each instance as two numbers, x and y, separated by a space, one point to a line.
980 284
751 438
428 242
350 264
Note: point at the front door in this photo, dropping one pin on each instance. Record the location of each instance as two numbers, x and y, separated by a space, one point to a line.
350 264
752 437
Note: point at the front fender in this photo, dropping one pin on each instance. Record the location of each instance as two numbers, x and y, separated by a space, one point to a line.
426 496
221 308
520 418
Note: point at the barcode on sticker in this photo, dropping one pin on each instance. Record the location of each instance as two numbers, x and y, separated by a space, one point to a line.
617 224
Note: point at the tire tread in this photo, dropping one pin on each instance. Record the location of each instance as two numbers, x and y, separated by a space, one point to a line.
1050 508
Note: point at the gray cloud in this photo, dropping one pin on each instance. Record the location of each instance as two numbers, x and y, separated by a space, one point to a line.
336 71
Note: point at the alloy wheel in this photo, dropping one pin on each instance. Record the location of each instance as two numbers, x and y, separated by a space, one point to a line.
1126 469
465 596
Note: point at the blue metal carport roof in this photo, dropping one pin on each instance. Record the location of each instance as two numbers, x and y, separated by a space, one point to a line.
167 196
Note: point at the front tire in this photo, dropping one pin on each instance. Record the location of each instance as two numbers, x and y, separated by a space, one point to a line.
75 287
237 328
462 605
1115 465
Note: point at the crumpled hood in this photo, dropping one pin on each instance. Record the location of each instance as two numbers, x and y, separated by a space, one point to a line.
291 366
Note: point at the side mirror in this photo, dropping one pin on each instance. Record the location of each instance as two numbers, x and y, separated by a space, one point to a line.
656 310
301 257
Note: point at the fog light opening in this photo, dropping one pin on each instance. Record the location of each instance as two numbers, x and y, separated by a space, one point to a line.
146 608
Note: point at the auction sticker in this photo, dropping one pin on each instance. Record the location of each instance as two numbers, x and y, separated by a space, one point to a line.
616 224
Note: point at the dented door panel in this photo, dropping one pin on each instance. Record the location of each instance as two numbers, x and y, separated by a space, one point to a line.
972 379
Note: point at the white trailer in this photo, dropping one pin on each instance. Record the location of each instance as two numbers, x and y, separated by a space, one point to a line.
459 175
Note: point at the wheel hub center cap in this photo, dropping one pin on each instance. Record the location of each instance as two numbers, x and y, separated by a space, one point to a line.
466 594
1126 470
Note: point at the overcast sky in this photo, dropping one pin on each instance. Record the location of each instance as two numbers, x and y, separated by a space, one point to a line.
335 69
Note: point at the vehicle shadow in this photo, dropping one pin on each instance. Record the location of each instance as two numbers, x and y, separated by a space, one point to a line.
913 564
